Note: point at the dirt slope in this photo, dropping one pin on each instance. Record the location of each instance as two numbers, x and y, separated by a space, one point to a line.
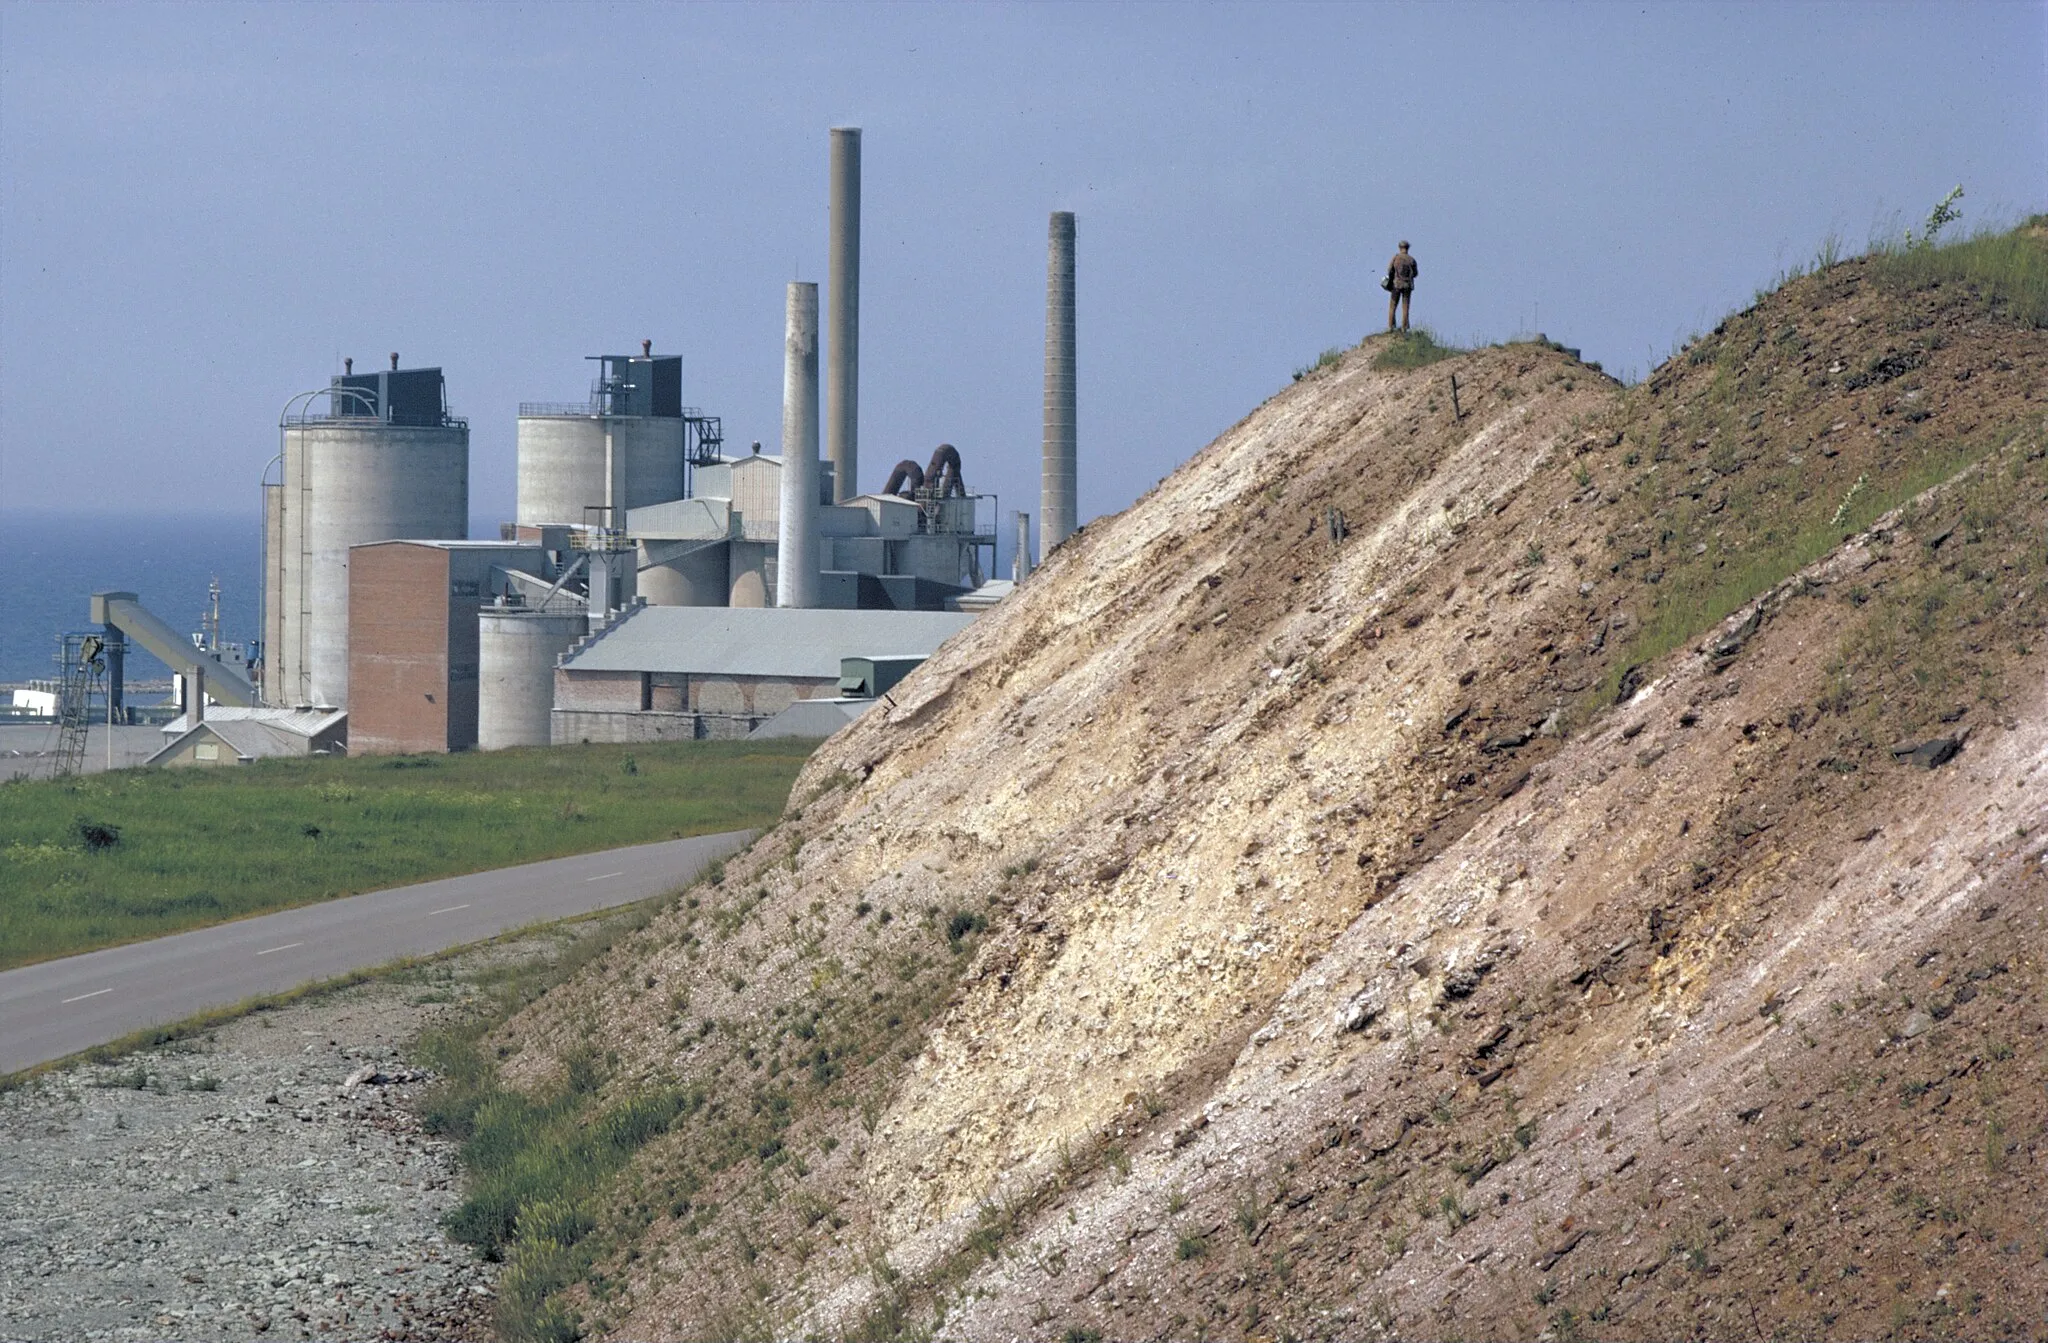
1368 885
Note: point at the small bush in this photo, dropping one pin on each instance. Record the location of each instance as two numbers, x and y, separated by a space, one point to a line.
962 925
97 836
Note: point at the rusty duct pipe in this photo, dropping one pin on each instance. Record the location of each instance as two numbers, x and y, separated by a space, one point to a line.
906 480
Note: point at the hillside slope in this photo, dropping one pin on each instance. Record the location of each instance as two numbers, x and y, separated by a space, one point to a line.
1422 871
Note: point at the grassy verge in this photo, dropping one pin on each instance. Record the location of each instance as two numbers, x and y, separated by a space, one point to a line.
538 1165
110 858
2008 270
1413 349
174 1033
1697 593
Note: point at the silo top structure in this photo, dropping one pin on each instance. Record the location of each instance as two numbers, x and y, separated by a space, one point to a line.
1058 509
842 369
384 460
626 446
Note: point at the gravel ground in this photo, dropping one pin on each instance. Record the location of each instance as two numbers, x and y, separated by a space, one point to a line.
231 1187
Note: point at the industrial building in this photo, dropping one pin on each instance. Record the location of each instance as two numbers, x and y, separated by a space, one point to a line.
226 735
414 650
662 672
650 583
369 457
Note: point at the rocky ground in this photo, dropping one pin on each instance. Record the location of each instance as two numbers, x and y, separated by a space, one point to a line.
267 1180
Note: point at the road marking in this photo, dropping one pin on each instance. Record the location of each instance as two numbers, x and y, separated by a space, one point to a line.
286 947
83 996
602 876
450 910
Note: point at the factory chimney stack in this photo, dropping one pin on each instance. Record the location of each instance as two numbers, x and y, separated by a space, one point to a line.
796 565
1020 562
1057 515
842 373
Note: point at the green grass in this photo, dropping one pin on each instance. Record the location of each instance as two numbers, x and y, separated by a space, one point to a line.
1697 593
1329 358
200 846
1413 349
2008 270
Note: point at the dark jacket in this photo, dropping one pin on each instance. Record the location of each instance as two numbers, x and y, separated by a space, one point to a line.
1402 270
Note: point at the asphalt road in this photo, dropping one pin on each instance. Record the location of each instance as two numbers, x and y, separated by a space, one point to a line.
59 1007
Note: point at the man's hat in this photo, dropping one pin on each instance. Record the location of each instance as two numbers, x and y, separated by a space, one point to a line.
1404 244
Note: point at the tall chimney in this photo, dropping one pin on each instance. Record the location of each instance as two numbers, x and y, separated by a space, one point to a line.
1020 563
796 562
842 373
1057 515
195 696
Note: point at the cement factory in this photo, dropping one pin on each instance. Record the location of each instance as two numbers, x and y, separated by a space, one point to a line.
653 584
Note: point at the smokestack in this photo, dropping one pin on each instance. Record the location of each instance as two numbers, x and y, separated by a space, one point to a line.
1020 563
796 564
195 697
1058 515
394 361
348 366
842 374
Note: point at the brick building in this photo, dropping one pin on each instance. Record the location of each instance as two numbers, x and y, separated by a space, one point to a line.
412 639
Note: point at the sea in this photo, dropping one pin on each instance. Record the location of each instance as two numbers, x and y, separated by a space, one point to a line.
52 562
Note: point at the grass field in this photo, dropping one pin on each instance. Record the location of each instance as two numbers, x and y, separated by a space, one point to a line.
111 858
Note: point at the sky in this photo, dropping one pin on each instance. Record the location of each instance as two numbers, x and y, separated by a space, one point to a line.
204 208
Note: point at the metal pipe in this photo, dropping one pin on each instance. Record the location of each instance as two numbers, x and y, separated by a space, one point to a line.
796 556
842 374
1020 562
906 480
1058 515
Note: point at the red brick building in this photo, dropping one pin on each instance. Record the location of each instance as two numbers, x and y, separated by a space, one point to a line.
412 639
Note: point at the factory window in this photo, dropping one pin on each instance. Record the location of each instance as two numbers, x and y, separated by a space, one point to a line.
206 750
463 588
646 691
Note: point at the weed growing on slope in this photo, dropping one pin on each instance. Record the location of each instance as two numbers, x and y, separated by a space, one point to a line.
1329 358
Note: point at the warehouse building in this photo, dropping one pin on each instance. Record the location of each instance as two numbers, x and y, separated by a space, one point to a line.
662 672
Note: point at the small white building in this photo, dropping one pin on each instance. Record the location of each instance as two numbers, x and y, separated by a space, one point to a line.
235 736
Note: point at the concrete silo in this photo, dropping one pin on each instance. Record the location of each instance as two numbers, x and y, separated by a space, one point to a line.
517 651
383 461
621 449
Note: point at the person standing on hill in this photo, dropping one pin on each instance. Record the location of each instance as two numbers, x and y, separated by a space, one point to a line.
1399 284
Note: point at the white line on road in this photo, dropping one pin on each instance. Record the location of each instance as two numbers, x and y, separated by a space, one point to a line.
286 947
602 875
83 996
450 910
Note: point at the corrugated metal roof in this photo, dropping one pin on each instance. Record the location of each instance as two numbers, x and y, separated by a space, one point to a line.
754 641
249 740
300 722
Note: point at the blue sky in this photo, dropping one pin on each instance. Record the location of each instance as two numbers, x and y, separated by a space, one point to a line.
203 208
